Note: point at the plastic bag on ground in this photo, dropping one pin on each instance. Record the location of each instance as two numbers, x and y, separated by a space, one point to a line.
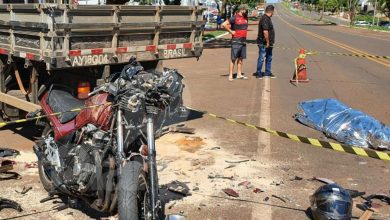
344 124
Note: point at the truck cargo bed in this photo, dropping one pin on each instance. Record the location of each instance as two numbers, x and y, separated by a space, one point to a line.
65 36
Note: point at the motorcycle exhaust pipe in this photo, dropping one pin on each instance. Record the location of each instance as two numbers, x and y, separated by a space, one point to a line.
99 179
109 185
175 217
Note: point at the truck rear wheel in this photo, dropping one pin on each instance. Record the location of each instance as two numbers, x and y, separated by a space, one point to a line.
133 194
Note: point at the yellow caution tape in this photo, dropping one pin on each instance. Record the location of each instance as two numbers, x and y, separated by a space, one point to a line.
312 141
312 52
2 124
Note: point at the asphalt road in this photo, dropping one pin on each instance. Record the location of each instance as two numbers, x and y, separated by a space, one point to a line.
358 82
361 83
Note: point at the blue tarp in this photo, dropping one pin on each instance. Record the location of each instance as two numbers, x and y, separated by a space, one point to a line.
344 124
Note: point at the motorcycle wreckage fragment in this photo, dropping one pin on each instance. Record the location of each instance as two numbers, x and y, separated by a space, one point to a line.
106 155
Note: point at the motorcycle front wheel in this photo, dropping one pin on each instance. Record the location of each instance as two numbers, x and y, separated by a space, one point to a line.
43 175
133 192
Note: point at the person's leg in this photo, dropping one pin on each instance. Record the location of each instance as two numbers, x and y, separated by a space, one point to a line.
260 60
240 61
268 61
234 55
239 67
231 68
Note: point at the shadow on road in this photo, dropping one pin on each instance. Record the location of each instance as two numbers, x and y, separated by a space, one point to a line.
223 43
327 24
27 129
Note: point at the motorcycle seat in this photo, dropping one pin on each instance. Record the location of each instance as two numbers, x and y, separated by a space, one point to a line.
61 101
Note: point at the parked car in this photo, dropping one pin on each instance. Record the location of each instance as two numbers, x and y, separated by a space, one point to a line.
385 24
260 12
362 23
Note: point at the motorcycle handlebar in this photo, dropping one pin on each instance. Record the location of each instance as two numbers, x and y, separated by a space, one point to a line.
101 88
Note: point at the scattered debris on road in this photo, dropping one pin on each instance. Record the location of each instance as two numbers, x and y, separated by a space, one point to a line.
201 205
277 183
24 190
323 180
238 161
9 176
257 190
246 183
231 192
181 128
230 166
366 215
7 203
355 193
266 199
7 152
7 165
170 206
296 178
280 198
217 176
31 165
178 187
369 204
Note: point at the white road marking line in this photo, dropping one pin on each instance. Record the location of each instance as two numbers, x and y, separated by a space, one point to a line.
264 143
265 118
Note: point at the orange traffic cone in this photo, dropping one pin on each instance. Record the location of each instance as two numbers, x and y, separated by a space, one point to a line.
300 74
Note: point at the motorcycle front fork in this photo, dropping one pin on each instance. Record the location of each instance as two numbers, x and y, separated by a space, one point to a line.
153 178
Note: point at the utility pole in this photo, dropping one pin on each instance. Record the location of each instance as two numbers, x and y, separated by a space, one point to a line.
373 17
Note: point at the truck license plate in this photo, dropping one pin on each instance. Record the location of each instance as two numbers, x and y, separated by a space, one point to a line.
174 53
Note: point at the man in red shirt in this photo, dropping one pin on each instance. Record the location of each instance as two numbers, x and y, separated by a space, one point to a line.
237 27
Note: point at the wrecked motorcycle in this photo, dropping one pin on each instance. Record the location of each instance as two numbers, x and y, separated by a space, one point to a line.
105 154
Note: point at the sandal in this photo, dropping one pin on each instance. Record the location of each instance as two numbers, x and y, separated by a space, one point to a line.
231 79
242 77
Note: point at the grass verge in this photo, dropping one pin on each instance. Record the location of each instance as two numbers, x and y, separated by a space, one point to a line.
212 34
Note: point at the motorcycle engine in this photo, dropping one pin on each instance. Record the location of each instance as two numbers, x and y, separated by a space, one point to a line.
76 163
80 168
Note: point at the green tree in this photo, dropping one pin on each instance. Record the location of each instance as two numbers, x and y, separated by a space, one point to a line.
382 6
250 3
352 6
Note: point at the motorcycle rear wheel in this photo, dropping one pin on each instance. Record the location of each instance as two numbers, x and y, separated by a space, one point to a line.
133 192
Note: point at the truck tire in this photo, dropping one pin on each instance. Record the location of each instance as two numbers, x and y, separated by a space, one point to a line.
133 192
43 176
172 2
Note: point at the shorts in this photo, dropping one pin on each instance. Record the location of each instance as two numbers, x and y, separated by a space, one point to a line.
238 51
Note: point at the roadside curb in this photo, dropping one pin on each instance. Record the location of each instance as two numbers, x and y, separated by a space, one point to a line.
214 38
342 25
